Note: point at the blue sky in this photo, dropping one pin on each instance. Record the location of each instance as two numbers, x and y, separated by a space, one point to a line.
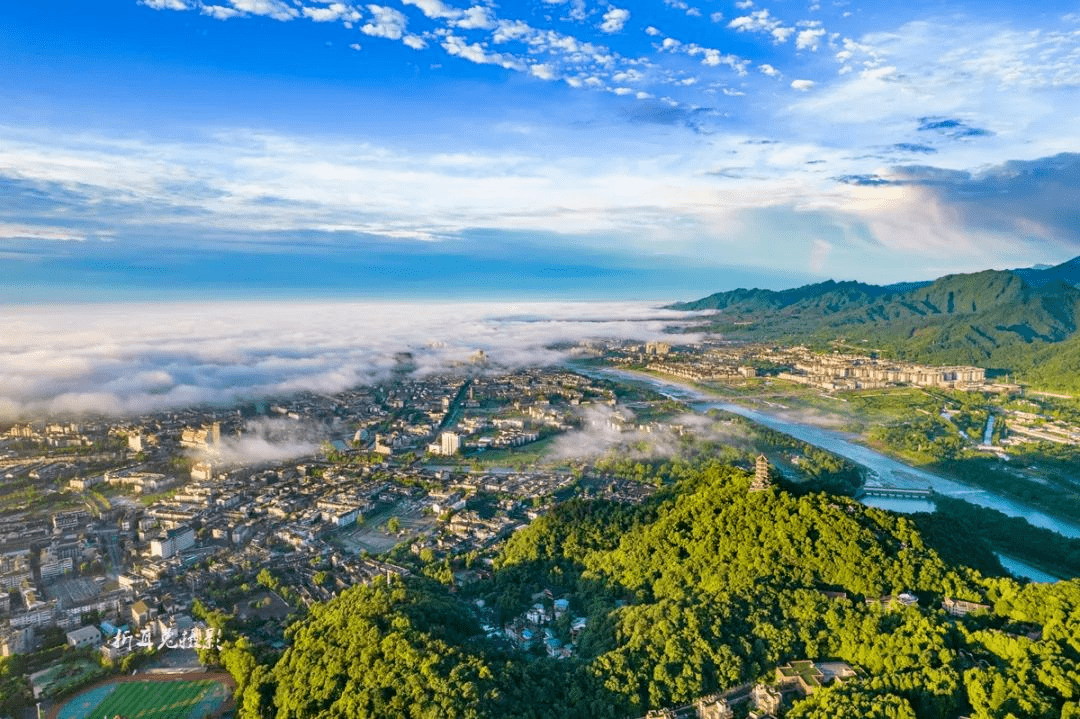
626 149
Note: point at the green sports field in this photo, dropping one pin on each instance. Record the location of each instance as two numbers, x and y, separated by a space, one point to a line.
149 700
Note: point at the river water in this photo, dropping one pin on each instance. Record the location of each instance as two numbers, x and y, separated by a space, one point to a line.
884 471
1020 568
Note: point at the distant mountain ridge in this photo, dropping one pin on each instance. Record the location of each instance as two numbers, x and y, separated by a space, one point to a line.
1013 320
1067 272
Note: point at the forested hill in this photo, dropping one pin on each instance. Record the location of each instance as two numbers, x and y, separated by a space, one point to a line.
704 588
995 319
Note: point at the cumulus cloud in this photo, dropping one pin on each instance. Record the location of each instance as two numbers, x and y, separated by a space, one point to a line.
387 22
615 20
506 31
569 56
477 53
219 12
809 39
275 9
477 17
761 21
544 72
434 9
333 12
125 360
802 85
684 6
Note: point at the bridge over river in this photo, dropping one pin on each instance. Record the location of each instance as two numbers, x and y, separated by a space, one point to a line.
886 472
894 492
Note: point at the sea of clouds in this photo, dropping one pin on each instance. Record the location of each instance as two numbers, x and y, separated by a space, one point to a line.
128 359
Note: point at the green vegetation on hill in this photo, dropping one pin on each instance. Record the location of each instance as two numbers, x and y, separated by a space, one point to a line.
993 319
702 588
1057 367
1011 535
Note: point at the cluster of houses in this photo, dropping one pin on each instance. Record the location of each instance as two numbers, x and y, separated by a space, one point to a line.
543 625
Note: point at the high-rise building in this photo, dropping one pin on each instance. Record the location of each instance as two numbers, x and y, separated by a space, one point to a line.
450 443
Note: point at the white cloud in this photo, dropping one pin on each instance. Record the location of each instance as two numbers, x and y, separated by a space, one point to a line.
714 58
684 6
476 52
716 16
165 4
761 21
269 440
219 12
506 31
544 72
332 12
577 8
434 9
809 39
819 255
258 182
781 34
611 431
477 17
96 358
990 76
356 46
615 20
275 9
652 31
387 22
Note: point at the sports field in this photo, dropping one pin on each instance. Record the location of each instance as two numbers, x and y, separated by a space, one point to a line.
180 699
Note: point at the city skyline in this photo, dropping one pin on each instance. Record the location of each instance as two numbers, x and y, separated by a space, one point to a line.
171 148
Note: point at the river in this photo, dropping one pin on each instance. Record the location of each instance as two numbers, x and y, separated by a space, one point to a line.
884 471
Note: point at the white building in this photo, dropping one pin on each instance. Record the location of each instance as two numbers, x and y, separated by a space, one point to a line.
177 540
84 637
450 443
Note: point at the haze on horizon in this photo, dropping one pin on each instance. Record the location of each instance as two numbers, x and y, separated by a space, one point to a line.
230 148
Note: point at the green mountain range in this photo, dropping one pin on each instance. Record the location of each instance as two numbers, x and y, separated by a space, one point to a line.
1019 321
